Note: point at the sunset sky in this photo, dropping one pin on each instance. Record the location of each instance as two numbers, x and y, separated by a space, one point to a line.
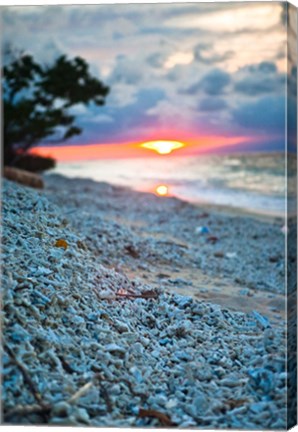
209 75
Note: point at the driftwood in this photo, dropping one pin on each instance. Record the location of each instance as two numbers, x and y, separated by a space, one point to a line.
164 419
23 177
149 294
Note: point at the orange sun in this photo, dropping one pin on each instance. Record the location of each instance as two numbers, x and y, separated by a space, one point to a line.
162 190
163 147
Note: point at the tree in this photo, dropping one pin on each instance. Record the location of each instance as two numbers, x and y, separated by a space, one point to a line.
37 101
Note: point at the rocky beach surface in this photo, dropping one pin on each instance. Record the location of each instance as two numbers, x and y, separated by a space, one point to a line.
126 309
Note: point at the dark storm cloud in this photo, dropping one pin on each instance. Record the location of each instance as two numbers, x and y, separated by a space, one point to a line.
252 87
212 104
266 114
126 71
263 67
213 83
267 67
261 78
124 119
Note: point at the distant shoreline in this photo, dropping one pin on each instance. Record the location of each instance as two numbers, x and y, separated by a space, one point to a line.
230 210
233 186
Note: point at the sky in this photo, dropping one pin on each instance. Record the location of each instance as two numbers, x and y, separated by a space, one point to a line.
208 74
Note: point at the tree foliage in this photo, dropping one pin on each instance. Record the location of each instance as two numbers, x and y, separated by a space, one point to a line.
37 101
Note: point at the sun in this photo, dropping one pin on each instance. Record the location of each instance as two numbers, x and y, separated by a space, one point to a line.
162 190
163 147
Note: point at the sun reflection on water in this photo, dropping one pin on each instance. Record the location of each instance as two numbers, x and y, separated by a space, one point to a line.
162 190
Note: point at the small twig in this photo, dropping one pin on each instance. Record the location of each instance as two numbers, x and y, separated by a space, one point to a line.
80 392
42 407
106 397
26 376
171 243
164 419
28 409
66 366
150 294
145 295
99 378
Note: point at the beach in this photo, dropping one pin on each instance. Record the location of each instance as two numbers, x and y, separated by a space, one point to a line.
239 261
128 309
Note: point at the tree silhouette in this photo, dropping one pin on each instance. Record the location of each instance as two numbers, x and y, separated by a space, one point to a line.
37 99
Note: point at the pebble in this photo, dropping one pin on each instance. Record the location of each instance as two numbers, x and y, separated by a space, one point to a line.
245 292
262 321
231 255
200 406
182 301
61 409
202 230
262 380
165 341
180 281
115 349
258 407
183 354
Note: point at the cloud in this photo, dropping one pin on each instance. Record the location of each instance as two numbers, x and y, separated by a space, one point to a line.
126 71
259 79
252 86
233 18
179 58
168 65
156 60
213 83
212 104
204 53
184 76
267 67
78 109
102 118
110 123
266 114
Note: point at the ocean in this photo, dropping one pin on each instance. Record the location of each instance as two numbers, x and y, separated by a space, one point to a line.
254 182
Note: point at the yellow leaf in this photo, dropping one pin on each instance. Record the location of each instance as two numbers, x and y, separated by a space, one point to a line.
61 243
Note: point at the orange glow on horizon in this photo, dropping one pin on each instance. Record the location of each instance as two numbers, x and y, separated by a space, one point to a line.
190 146
163 147
162 190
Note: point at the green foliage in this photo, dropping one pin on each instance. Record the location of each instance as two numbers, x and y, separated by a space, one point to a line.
34 163
36 101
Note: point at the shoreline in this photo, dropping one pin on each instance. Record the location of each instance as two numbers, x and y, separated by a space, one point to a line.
219 208
245 212
103 281
227 193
